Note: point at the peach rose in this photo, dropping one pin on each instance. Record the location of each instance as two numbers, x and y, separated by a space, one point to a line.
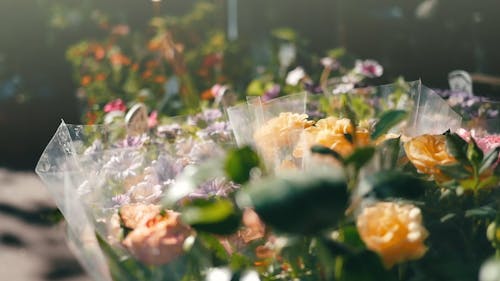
330 132
427 152
279 132
253 228
158 241
394 231
133 215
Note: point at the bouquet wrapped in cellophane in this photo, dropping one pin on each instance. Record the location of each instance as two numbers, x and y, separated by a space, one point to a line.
371 184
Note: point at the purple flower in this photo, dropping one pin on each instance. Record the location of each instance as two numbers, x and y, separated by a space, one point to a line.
209 115
215 187
120 200
133 141
220 130
313 88
203 151
271 92
169 131
123 165
368 68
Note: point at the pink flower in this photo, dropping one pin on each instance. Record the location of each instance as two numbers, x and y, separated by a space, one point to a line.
488 143
116 105
153 119
160 240
369 68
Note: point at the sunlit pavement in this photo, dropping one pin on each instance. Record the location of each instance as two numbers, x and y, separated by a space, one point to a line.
31 246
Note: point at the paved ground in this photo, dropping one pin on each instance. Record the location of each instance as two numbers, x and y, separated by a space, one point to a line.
32 248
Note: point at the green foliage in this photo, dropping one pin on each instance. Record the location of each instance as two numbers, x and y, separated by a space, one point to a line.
360 157
489 160
217 216
387 121
457 147
302 204
395 184
239 163
319 149
365 266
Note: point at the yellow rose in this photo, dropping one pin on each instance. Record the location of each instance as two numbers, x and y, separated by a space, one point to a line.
330 132
394 231
427 152
278 133
159 240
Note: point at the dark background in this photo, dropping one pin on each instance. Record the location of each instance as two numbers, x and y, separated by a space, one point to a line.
36 89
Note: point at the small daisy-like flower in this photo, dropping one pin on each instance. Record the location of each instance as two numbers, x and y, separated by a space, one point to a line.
216 187
123 165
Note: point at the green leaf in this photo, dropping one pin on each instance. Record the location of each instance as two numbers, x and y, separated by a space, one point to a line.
323 150
395 184
457 147
388 120
474 153
481 212
351 114
128 269
304 203
349 235
447 217
490 159
456 171
217 216
349 138
489 182
365 266
360 156
213 244
239 163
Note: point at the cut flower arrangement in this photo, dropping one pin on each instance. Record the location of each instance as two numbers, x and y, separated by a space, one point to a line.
379 183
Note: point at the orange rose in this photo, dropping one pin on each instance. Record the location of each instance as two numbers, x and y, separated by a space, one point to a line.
278 133
330 132
427 152
394 231
86 80
160 240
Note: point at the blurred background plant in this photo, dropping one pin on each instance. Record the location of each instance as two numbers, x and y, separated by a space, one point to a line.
168 53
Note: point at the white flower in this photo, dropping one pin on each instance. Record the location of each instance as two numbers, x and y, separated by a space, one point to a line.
287 54
368 68
219 274
343 88
293 78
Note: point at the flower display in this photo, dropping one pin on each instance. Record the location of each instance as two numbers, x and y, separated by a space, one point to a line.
394 231
181 200
427 152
